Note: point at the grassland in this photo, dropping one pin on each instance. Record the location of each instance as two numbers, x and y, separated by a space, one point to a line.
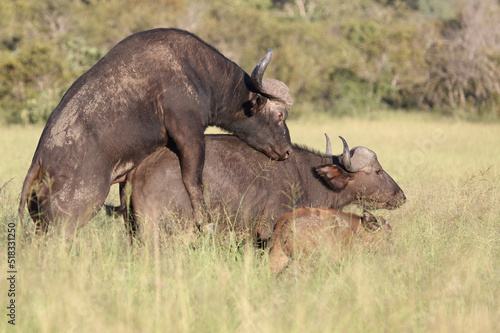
441 275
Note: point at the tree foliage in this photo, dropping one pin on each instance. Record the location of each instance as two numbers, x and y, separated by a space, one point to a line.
343 57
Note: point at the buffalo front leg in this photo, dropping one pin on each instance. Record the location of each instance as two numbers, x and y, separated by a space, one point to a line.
192 161
277 257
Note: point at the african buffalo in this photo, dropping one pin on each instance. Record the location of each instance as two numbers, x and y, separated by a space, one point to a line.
154 88
305 230
245 189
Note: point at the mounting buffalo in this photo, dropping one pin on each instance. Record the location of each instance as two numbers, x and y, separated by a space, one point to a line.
154 88
244 189
306 230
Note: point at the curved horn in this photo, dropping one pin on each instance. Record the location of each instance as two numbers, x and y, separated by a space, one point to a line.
328 152
346 156
258 71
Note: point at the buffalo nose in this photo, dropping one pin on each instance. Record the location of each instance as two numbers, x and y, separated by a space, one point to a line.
404 196
288 153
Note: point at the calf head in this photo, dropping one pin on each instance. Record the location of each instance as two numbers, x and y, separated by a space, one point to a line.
375 230
360 175
265 113
372 223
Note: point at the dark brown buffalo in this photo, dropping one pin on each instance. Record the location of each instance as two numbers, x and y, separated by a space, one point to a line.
306 230
154 87
245 189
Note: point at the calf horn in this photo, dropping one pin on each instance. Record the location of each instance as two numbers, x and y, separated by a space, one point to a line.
258 71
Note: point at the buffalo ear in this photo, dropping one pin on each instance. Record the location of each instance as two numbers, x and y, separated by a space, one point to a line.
254 105
334 176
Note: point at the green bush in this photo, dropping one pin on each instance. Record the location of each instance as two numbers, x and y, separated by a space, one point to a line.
344 58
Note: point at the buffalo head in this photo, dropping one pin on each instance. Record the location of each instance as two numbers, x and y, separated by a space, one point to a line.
359 172
265 113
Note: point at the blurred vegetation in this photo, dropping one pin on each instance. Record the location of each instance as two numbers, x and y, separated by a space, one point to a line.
337 56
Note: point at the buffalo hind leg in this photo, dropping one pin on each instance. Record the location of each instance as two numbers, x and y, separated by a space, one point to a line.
41 226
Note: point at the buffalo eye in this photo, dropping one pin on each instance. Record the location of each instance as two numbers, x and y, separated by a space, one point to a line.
280 116
378 172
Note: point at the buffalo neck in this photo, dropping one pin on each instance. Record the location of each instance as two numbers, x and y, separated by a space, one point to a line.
232 93
316 192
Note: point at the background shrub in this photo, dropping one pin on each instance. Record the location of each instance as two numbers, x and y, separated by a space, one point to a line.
343 58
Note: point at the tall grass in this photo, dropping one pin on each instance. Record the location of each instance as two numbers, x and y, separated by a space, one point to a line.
442 273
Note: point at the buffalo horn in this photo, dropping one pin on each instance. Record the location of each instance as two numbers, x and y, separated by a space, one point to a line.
258 71
328 147
346 156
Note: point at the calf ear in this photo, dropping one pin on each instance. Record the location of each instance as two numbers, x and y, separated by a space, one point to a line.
368 217
334 176
370 221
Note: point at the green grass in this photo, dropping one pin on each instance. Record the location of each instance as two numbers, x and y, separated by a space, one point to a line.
442 274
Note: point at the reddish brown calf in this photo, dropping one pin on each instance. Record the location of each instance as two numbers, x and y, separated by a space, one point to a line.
305 229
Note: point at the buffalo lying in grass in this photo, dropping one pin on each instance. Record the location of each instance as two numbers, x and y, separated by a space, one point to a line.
244 189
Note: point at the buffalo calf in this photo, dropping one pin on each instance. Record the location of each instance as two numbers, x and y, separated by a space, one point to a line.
304 230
